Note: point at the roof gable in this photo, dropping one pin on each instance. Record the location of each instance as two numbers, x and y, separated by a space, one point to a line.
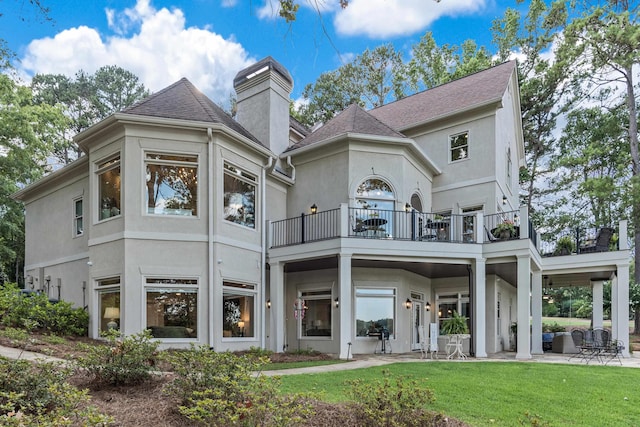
183 101
459 95
352 120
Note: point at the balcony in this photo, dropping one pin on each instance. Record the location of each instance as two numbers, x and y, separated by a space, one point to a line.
581 240
405 225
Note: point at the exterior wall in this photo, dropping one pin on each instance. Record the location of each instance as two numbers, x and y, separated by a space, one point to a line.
507 138
333 178
498 330
52 249
402 281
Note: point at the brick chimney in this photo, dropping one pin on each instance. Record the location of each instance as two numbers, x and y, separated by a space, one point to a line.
263 90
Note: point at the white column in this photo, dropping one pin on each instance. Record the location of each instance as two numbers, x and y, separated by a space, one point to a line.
278 331
620 306
536 312
479 308
346 313
524 290
597 314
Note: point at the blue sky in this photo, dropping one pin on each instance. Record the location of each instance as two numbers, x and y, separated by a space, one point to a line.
208 41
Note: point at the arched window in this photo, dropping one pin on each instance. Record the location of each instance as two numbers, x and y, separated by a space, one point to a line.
416 203
376 202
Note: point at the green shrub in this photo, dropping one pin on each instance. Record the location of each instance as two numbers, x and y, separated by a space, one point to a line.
546 327
38 394
17 336
259 352
391 403
125 360
35 311
222 389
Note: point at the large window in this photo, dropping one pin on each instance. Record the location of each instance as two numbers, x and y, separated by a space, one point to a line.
239 196
172 307
109 188
459 146
78 215
171 184
376 201
458 302
109 304
375 311
239 310
317 314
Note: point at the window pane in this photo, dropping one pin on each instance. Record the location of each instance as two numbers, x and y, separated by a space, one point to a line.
459 146
109 190
375 314
78 204
109 310
317 318
239 200
238 315
172 313
171 189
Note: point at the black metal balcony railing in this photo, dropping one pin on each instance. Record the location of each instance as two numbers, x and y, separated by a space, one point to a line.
579 240
306 228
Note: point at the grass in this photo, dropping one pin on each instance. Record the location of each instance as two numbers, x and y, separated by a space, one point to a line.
503 393
306 364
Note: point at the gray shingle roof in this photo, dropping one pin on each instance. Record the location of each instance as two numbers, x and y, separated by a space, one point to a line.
183 101
352 120
458 95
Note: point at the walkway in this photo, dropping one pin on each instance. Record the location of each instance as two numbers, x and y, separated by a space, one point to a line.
371 360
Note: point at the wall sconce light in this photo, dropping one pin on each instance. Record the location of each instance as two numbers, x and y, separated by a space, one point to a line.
268 303
427 306
336 302
314 209
407 304
504 199
407 207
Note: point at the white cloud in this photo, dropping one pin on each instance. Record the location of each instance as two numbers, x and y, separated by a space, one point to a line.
380 19
153 44
229 3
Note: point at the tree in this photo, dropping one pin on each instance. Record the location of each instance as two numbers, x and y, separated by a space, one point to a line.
27 132
602 45
591 164
543 88
86 99
379 76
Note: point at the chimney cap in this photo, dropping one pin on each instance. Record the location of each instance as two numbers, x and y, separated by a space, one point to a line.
259 67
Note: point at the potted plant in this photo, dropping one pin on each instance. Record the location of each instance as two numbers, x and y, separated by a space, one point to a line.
456 325
505 230
565 246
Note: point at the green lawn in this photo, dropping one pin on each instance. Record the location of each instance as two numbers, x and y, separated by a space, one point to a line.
502 393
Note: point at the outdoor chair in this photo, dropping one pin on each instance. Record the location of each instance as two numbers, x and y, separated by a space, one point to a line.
423 341
601 244
583 343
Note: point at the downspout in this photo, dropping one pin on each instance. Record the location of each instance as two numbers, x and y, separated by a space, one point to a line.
293 168
212 257
263 261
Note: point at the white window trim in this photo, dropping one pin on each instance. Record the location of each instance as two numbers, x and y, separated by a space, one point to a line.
328 294
246 292
395 307
449 149
248 180
76 216
195 164
164 286
98 170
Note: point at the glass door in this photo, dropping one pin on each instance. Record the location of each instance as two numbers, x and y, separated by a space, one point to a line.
417 307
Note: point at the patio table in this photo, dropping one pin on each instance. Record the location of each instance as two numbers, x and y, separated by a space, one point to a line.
454 341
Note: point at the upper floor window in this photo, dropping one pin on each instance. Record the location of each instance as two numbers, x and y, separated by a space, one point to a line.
239 196
459 146
78 215
376 201
109 188
171 184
